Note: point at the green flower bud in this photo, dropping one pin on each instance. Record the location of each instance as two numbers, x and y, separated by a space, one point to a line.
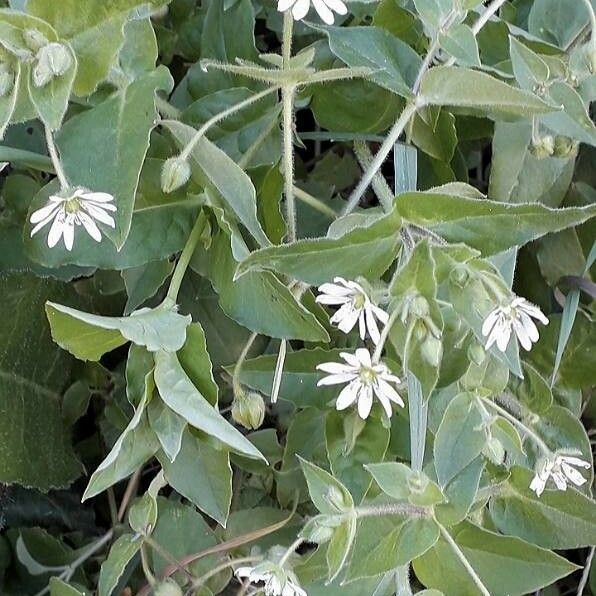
564 146
53 60
543 147
419 307
34 39
6 79
336 498
460 276
175 174
432 350
494 451
320 529
476 353
249 410
168 587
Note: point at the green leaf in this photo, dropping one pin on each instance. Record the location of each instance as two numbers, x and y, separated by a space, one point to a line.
327 493
557 21
556 519
51 100
352 444
167 426
103 148
529 68
178 392
460 42
8 102
450 86
459 439
61 588
393 62
144 281
367 250
77 331
203 475
473 221
433 12
258 300
438 141
382 544
112 569
35 449
507 566
212 166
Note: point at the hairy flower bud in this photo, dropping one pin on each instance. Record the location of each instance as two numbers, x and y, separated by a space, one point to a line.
168 587
335 497
543 147
35 39
248 410
6 79
460 276
175 174
432 350
419 307
53 60
564 146
320 529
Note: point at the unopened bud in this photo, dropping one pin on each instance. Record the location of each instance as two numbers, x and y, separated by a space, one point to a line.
35 39
460 275
432 350
336 498
6 79
53 60
564 146
419 307
168 587
476 353
494 450
319 529
249 410
543 147
175 174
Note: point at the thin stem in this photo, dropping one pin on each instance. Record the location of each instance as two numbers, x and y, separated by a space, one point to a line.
90 551
393 509
460 555
185 153
516 422
379 183
384 335
131 488
64 184
165 554
279 369
586 574
238 368
590 8
146 569
290 551
315 203
166 108
380 157
287 95
204 578
428 59
184 260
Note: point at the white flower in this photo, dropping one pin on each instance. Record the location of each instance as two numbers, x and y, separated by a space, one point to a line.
356 307
516 316
365 380
323 7
276 581
81 208
560 469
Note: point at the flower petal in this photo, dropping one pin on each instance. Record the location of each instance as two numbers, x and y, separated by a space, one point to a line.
373 329
337 379
335 368
384 389
347 396
98 197
99 214
573 475
324 12
365 400
56 230
45 213
300 9
363 356
338 6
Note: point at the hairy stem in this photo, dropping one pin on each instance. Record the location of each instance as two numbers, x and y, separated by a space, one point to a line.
393 509
313 202
379 183
64 184
290 550
238 368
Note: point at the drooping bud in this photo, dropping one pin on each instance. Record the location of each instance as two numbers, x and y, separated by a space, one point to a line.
432 350
35 39
175 174
168 587
319 529
53 60
543 147
494 450
419 307
248 410
6 79
460 275
564 146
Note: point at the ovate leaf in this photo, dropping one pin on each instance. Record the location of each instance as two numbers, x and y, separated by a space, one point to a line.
112 569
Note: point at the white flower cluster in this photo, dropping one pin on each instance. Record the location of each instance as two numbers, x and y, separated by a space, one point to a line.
276 581
325 8
560 469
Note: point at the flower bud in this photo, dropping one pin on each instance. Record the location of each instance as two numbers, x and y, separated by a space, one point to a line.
175 174
6 79
35 39
564 146
432 350
249 410
168 587
460 275
53 60
419 307
335 497
494 450
476 353
543 147
320 529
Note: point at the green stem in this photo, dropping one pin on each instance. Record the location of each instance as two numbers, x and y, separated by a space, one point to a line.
393 509
279 369
290 551
185 153
430 56
64 184
384 335
184 260
379 183
460 555
204 578
315 203
381 155
287 94
165 107
238 368
168 556
516 422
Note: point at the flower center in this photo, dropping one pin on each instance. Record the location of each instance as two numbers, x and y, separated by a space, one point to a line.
72 206
359 300
367 375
